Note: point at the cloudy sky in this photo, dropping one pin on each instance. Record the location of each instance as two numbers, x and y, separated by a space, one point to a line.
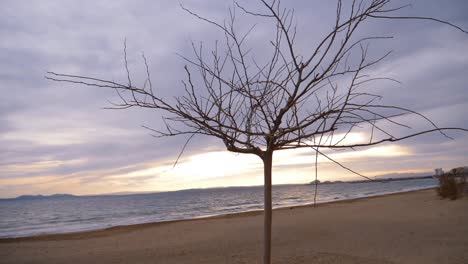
57 138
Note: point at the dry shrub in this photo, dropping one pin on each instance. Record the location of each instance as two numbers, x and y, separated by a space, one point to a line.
451 187
463 187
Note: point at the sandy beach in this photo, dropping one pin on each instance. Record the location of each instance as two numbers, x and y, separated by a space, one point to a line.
414 227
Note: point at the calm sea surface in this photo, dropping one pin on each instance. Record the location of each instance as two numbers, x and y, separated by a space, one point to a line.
19 218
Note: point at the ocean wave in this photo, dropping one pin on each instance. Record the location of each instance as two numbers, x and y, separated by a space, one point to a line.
98 212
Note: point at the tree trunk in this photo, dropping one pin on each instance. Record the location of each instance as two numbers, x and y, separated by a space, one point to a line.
267 164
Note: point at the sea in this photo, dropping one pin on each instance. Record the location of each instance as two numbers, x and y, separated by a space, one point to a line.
51 215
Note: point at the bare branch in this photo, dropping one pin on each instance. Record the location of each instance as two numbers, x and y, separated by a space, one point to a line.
313 97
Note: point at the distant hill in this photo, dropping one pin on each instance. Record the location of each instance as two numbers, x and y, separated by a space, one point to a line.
403 175
385 178
53 196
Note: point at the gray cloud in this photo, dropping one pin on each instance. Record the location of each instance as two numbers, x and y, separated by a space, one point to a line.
86 38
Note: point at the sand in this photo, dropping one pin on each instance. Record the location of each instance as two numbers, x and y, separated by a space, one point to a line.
414 227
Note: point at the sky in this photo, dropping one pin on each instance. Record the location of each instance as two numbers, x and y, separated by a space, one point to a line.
57 138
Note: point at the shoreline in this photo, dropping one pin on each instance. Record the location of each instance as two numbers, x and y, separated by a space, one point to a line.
415 227
127 228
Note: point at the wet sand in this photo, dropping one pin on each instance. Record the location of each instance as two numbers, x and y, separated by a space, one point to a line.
414 227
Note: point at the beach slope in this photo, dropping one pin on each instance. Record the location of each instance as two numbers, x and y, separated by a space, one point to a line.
414 227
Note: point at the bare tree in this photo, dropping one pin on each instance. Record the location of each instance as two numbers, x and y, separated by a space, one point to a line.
296 99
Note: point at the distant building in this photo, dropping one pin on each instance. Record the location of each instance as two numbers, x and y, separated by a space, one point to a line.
439 171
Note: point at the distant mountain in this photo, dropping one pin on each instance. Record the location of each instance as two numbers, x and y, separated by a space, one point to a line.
403 175
54 196
383 177
125 193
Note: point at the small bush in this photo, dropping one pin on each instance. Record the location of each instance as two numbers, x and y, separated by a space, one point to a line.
462 186
450 187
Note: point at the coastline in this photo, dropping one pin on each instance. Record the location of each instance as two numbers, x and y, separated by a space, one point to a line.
129 227
412 227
